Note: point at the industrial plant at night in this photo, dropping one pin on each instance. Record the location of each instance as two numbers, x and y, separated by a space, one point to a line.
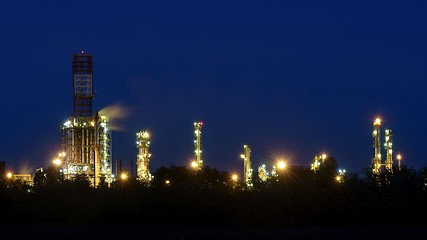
279 193
86 144
86 137
207 120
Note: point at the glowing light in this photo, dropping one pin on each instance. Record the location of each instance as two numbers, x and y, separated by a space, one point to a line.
242 156
9 175
324 156
399 157
67 124
146 135
281 164
167 182
194 164
377 121
123 176
234 177
57 161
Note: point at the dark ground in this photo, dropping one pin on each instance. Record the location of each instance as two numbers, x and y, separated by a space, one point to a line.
73 231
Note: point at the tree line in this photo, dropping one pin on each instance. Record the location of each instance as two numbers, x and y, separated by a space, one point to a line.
296 196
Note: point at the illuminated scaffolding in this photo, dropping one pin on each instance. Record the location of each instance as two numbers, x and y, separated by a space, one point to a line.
388 146
262 173
86 138
376 134
198 163
319 160
247 168
143 159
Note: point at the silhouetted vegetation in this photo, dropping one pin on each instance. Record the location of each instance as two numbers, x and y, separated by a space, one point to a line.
181 196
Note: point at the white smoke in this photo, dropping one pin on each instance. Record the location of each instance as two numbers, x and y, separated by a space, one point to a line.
116 112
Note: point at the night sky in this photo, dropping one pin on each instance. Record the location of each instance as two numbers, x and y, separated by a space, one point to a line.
290 79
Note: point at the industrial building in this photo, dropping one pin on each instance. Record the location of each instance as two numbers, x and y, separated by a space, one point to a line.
262 173
86 137
198 162
143 158
247 166
376 163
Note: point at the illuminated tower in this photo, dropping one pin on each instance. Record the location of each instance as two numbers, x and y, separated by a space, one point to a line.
376 161
247 168
86 138
143 159
198 163
388 146
262 173
319 159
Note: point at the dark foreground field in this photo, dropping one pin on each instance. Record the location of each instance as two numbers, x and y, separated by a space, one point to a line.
206 205
77 231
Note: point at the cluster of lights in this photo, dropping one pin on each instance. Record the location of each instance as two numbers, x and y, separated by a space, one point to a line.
280 165
340 176
57 161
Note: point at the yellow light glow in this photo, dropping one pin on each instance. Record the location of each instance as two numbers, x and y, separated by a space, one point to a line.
57 161
324 156
146 135
123 176
281 164
9 175
234 177
399 157
377 121
194 164
167 182
242 156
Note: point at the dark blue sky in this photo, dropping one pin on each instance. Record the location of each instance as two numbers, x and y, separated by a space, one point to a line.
287 78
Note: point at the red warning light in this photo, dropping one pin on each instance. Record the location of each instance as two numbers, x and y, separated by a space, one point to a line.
201 123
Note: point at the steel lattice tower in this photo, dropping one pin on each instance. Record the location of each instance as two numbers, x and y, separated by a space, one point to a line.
86 138
82 84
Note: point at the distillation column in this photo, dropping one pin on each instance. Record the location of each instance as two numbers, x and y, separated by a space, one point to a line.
262 173
388 146
247 168
198 163
376 161
143 159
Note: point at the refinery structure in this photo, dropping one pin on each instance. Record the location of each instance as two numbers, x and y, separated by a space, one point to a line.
377 164
87 143
198 162
318 161
247 166
86 137
143 158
